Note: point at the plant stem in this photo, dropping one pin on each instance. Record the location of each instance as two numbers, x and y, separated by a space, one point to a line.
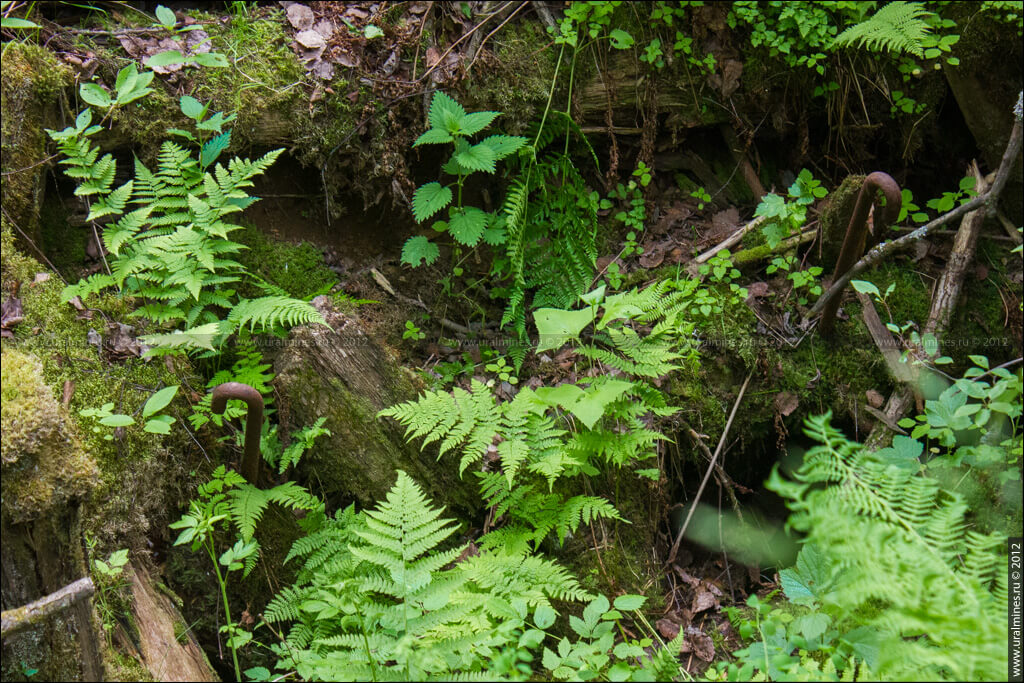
227 610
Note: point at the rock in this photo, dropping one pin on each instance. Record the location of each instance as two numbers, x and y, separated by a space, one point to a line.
347 376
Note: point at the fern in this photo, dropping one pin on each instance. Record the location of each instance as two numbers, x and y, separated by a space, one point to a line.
896 27
894 538
173 250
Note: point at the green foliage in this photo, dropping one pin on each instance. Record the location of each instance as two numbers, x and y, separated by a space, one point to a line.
108 579
10 22
248 368
548 434
894 564
155 424
897 27
383 595
228 500
173 251
449 123
785 218
550 221
282 457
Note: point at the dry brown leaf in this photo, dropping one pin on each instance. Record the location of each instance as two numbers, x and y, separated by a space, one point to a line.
300 17
699 643
668 628
786 402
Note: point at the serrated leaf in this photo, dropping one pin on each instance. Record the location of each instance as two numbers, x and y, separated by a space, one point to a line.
213 147
419 249
429 199
477 121
629 603
467 225
434 136
544 616
620 40
445 113
503 145
479 157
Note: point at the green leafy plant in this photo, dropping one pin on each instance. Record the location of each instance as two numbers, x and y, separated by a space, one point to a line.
155 424
467 225
9 22
227 500
248 368
788 217
504 371
173 251
281 456
412 332
110 584
895 567
897 26
166 19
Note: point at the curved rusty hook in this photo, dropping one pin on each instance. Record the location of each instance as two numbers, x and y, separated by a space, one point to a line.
253 423
856 239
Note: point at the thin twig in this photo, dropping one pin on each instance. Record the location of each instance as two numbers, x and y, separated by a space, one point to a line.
707 474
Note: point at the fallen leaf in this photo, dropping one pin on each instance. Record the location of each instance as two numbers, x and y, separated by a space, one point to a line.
11 313
323 70
704 599
300 17
757 290
93 337
40 277
875 399
325 27
69 391
699 643
667 628
310 39
786 402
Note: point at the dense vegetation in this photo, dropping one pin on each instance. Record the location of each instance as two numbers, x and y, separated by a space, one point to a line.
613 331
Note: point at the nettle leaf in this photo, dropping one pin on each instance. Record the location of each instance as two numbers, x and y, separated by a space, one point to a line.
445 113
772 205
479 157
434 136
419 250
477 121
429 199
467 225
503 145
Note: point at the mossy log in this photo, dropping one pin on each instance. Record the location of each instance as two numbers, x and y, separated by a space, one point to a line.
347 376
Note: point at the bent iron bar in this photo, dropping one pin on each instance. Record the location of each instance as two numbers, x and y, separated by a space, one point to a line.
857 234
253 423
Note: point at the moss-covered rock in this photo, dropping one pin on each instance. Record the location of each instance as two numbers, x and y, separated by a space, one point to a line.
31 82
44 461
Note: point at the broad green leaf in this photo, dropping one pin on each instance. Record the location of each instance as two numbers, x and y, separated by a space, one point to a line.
191 107
812 625
544 616
620 40
95 95
445 113
556 327
477 121
433 136
14 22
479 157
161 424
165 16
126 78
159 400
589 408
168 58
211 59
117 420
865 287
629 603
119 558
419 250
429 199
372 31
467 225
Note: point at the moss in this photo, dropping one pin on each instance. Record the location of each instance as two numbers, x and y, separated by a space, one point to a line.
31 82
125 501
518 80
14 266
298 269
44 462
835 217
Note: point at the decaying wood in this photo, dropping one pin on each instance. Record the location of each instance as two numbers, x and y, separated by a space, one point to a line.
879 253
732 239
947 294
20 618
739 154
884 340
951 283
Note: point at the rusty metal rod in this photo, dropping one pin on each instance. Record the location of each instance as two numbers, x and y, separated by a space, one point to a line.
856 239
253 423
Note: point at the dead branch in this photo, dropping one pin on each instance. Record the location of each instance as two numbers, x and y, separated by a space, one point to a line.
21 618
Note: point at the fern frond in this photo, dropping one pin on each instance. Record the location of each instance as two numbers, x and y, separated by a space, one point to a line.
896 27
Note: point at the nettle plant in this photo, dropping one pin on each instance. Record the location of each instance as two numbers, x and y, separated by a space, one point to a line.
467 225
166 231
